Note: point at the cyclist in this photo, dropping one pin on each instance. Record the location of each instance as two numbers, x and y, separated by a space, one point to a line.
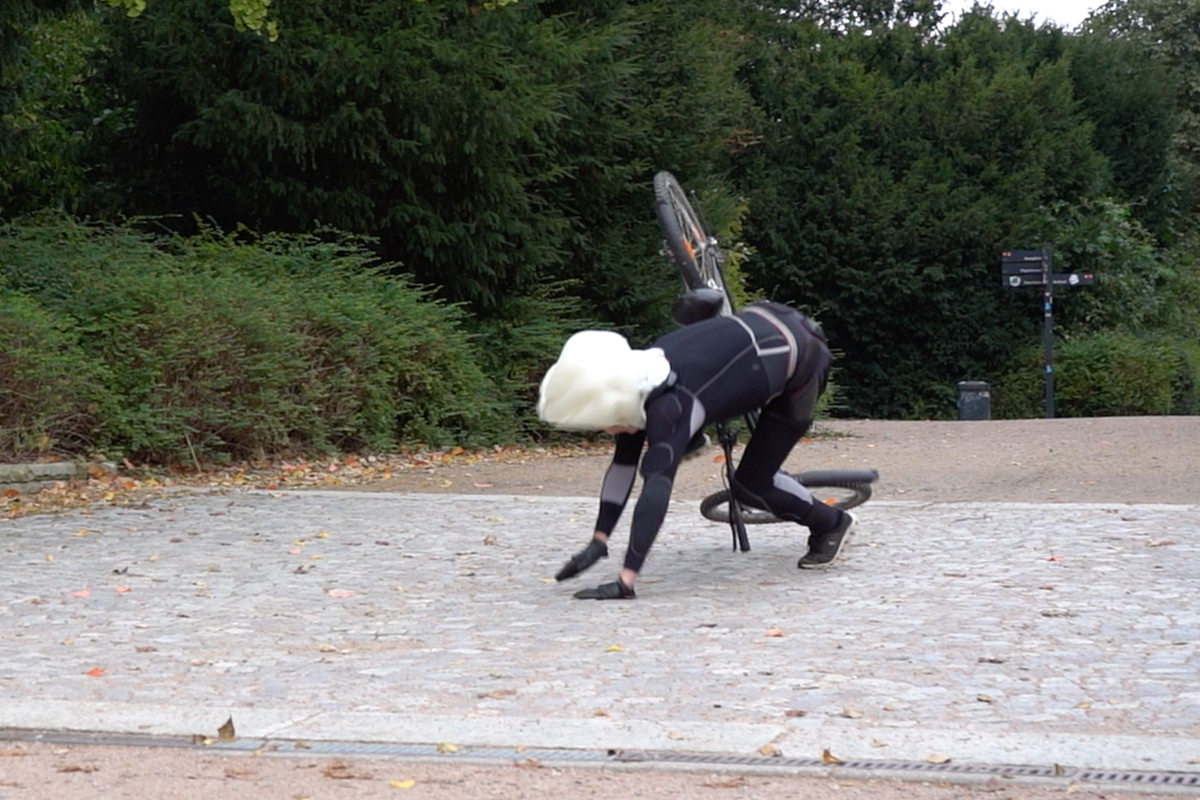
768 357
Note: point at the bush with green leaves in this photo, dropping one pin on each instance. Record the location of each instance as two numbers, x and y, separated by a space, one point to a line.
52 393
233 345
1101 375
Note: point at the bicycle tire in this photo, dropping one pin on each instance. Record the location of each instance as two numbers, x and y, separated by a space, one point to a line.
852 492
693 249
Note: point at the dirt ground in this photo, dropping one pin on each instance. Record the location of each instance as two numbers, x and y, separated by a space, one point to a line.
1107 459
1126 460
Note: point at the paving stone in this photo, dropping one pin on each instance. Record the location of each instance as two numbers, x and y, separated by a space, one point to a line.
1011 632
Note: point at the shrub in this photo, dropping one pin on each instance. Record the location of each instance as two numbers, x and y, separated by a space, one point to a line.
1100 374
51 392
233 345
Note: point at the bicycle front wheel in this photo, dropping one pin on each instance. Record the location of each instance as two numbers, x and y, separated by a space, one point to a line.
839 493
694 251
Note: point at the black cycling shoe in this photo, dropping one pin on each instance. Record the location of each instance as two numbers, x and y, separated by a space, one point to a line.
589 555
824 549
608 591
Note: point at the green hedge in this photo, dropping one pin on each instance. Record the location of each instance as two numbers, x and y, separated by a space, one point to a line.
229 346
51 392
1104 374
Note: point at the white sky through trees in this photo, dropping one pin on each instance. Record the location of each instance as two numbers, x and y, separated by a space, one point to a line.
1066 13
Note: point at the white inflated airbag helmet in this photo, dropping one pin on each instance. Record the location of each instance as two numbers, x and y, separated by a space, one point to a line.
599 382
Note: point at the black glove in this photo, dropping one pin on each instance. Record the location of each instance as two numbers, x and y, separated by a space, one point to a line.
589 555
608 591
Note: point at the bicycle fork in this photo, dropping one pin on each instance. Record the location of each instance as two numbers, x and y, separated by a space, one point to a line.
737 525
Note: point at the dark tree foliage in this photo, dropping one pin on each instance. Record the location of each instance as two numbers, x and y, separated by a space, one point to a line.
894 169
429 125
1128 95
488 150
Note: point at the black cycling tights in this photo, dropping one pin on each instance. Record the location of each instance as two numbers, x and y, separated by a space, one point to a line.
758 481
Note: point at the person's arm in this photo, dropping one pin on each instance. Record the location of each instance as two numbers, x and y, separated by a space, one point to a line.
668 434
614 493
618 481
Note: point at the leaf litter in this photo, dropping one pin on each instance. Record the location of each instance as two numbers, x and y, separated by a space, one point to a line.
136 486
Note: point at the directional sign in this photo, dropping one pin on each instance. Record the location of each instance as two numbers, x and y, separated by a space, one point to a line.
1021 268
1033 268
1022 255
1037 278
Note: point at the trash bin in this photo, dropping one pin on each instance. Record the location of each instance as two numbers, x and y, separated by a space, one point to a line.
974 400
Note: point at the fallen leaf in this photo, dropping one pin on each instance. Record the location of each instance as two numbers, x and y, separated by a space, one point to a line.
676 737
599 712
302 745
877 743
829 758
490 539
614 648
938 759
200 738
720 459
340 594
769 749
852 713
295 551
146 648
732 783
985 698
482 485
82 593
408 784
446 747
1166 543
341 771
78 768
497 695
123 589
226 732
774 632
795 712
95 672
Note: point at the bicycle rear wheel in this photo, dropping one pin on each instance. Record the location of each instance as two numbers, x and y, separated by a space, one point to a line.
845 491
694 251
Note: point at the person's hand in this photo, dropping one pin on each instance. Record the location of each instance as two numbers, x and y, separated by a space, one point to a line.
585 558
617 590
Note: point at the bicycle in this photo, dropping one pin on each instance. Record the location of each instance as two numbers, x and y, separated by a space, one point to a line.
701 263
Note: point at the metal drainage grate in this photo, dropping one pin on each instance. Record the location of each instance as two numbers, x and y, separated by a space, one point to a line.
1165 780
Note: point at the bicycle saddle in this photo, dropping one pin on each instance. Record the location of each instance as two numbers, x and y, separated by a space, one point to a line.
696 305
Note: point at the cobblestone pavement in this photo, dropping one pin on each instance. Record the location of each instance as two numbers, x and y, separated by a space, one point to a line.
985 633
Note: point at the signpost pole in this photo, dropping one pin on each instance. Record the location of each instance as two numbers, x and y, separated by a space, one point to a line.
1032 268
1048 327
